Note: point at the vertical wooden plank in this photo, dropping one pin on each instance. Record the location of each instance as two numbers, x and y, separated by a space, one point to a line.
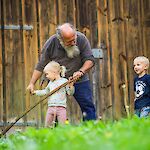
115 23
123 85
140 28
132 42
76 2
47 19
74 13
62 11
105 75
145 19
7 61
84 13
30 49
66 14
90 26
129 52
18 89
47 11
70 11
67 11
1 75
92 20
14 82
91 23
1 62
40 115
73 109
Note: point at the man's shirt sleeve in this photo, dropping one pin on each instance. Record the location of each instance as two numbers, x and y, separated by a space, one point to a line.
85 49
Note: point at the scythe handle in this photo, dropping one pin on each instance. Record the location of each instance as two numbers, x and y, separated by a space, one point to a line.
74 79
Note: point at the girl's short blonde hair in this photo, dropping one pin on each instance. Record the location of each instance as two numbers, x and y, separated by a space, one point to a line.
143 59
57 67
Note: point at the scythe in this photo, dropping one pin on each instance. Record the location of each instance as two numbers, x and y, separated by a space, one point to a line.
74 79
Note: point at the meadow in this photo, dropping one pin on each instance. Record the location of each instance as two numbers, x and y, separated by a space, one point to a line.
125 134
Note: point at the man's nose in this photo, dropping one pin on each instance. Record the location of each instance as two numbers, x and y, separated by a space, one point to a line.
73 43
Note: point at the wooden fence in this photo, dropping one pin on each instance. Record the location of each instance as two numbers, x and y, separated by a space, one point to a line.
121 28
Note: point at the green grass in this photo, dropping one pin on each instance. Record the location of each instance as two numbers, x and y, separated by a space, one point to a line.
126 134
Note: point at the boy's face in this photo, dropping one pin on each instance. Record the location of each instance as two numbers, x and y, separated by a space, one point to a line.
140 67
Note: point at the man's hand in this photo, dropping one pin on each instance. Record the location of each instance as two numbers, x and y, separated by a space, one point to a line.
36 75
30 88
78 73
76 76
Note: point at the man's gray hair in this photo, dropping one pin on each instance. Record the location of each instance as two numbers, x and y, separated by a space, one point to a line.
58 29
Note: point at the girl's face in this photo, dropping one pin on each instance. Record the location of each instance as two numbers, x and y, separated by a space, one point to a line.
51 74
140 67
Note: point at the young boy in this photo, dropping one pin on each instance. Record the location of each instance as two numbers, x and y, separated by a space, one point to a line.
56 102
142 87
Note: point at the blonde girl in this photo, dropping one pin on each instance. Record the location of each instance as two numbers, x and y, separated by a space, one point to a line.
56 102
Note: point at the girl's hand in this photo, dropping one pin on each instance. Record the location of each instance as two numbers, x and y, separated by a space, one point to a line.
71 84
33 92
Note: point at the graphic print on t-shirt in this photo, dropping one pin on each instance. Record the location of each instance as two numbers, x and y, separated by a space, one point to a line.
139 88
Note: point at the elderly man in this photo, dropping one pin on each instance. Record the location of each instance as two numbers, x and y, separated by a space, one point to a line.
72 50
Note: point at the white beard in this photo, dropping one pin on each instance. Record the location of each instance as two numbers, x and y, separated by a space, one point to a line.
72 51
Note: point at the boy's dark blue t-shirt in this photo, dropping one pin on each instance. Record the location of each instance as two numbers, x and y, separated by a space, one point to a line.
142 91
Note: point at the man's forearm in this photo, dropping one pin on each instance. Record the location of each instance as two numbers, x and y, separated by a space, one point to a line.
87 66
36 75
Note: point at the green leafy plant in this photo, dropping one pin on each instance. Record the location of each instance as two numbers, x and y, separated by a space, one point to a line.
125 134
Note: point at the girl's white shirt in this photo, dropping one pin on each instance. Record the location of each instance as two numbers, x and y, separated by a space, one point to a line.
59 98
